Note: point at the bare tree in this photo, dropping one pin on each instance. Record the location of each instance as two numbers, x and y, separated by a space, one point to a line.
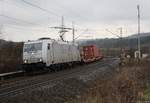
1 31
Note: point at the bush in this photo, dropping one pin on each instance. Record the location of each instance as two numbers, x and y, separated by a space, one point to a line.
10 56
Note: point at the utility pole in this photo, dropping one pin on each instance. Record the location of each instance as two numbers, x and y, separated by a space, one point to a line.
62 29
139 44
120 32
121 39
73 33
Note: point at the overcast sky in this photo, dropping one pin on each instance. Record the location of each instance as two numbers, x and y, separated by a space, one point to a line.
22 20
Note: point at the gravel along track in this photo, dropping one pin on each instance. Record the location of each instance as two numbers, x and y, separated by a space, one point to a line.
86 73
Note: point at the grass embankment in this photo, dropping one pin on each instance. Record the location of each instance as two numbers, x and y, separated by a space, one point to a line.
146 96
129 85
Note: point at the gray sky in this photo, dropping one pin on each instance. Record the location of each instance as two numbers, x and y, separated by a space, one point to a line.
22 20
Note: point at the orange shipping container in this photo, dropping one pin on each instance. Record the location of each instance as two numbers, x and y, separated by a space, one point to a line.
90 53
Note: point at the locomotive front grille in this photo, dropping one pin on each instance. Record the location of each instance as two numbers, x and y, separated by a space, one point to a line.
33 60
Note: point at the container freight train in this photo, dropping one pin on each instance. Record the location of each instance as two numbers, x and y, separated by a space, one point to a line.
90 53
50 54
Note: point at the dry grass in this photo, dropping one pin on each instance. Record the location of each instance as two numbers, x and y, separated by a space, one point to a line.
127 86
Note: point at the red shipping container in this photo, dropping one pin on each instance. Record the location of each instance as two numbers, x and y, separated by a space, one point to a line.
90 53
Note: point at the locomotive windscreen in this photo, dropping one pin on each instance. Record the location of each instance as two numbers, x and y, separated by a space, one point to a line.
32 47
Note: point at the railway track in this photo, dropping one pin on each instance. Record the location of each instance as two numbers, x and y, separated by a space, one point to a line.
25 78
12 89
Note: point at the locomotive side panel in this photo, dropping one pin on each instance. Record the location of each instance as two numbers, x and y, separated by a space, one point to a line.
63 53
75 54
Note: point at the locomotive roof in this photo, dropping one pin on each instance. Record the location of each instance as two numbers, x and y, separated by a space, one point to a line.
48 40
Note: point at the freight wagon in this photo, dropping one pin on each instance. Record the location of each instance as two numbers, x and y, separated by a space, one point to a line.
90 53
48 53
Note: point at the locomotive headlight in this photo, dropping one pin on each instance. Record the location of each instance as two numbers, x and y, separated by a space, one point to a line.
40 60
25 61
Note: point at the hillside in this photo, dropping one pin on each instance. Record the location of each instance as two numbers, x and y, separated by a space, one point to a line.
141 35
129 42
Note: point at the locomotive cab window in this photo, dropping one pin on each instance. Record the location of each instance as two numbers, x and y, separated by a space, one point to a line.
32 47
48 46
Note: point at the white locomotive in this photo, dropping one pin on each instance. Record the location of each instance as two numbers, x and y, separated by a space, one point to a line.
49 53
